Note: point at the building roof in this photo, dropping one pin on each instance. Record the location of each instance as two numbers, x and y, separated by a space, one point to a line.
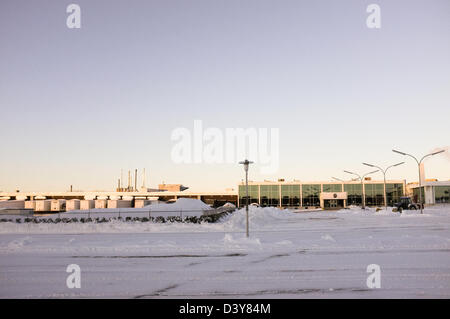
431 183
297 182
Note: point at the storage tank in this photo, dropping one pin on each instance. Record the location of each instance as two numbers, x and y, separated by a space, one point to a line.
100 203
43 205
58 205
30 204
119 203
139 203
72 204
87 204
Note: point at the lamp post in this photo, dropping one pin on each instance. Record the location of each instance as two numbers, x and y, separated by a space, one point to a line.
361 178
246 163
420 178
384 175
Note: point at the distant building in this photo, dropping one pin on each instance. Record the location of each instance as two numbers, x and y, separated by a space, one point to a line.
433 192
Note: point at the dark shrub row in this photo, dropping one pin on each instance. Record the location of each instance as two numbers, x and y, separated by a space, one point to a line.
172 219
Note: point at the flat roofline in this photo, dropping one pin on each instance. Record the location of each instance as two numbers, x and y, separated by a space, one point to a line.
435 183
154 194
320 182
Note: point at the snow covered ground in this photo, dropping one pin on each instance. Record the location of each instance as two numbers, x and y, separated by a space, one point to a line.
320 254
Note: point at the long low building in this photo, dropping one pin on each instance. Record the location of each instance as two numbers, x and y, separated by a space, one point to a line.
297 194
215 199
287 194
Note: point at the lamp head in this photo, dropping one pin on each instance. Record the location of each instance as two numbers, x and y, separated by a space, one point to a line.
367 164
438 152
246 163
395 151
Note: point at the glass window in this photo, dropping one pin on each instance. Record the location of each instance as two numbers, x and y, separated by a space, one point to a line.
416 193
332 188
310 194
441 194
252 194
270 195
393 193
374 194
354 194
290 195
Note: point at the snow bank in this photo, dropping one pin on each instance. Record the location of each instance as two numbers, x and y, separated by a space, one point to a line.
259 218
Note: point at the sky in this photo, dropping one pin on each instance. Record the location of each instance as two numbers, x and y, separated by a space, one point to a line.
79 105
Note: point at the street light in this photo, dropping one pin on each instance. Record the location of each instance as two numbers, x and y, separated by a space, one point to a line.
246 163
418 165
384 175
361 178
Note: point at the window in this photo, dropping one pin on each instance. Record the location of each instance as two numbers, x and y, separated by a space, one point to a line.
310 194
290 195
441 194
416 193
252 194
332 188
354 194
270 195
393 193
374 194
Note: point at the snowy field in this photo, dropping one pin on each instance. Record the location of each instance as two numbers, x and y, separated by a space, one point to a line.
316 254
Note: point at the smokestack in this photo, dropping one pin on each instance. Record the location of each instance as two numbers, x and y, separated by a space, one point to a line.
143 179
129 179
121 177
70 188
135 180
118 185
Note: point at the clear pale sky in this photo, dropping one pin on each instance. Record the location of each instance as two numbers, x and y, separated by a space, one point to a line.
77 105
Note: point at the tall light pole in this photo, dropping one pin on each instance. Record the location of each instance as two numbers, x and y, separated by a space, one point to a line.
246 163
361 178
384 175
420 178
